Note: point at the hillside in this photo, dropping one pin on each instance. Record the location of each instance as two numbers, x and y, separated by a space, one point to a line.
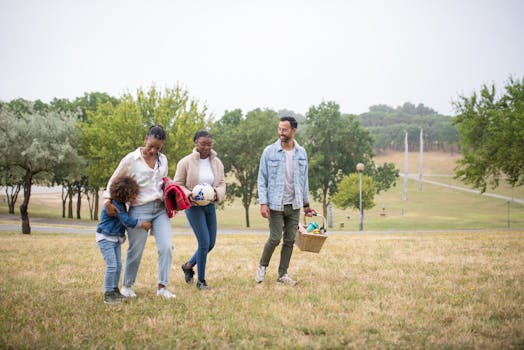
387 125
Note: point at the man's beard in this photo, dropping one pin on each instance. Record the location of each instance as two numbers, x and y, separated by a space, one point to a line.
284 138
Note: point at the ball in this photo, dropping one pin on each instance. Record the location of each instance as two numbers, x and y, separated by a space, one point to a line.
203 194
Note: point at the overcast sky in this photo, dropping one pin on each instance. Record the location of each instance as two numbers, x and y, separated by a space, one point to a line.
268 54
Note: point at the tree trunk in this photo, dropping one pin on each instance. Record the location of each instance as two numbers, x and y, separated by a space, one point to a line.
28 181
12 197
70 204
95 215
64 200
324 203
78 200
246 211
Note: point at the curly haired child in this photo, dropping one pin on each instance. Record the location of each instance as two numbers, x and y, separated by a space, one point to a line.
110 234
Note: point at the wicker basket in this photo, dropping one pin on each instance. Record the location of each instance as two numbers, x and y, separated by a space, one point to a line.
310 242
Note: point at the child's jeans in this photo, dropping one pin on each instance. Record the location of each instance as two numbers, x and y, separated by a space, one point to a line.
112 253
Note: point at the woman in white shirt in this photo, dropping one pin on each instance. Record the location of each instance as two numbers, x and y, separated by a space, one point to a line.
148 167
202 166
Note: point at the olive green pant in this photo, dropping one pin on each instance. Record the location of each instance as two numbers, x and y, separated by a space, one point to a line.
281 222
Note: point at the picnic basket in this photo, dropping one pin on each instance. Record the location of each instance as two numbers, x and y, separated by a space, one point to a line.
310 242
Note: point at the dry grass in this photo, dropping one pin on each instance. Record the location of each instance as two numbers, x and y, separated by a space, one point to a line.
438 290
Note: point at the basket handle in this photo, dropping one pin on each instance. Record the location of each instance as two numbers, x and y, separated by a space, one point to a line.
324 222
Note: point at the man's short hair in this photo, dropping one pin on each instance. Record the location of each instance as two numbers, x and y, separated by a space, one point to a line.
291 120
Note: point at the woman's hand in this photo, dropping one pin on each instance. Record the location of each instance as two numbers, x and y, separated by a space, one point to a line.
193 203
146 225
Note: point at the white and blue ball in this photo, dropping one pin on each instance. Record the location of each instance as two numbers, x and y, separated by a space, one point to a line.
203 194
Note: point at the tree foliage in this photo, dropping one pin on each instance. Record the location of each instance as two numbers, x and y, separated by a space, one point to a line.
335 144
348 194
239 142
491 130
112 131
387 126
36 143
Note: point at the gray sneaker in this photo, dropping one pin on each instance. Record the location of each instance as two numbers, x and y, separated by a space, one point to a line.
112 298
165 293
285 279
127 292
261 274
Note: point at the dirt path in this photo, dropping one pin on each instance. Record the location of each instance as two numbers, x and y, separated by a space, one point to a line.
465 189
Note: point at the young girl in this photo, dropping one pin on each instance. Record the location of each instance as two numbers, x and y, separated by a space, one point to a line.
110 234
201 166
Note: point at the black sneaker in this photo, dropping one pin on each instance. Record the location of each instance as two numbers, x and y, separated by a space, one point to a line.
202 285
118 294
111 298
188 273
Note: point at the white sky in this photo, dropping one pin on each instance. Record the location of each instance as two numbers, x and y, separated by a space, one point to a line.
271 53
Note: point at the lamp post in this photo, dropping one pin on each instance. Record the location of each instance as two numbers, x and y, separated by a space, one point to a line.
360 169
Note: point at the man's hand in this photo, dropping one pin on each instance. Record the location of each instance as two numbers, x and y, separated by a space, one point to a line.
111 210
264 210
309 212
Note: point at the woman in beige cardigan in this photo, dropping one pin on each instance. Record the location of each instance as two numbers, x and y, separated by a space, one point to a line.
199 167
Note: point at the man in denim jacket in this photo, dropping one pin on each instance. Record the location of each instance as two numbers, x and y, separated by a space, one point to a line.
283 190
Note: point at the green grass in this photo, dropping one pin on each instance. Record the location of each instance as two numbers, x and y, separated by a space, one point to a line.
433 208
431 290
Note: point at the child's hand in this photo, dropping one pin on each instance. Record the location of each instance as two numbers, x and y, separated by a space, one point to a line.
146 225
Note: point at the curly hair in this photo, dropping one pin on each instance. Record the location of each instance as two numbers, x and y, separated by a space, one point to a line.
122 188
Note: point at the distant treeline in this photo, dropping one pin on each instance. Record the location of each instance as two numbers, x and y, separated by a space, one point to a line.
387 126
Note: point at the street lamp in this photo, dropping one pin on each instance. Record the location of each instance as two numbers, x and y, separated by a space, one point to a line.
360 169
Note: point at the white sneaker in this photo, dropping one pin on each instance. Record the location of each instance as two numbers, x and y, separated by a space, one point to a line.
261 274
127 292
163 292
285 279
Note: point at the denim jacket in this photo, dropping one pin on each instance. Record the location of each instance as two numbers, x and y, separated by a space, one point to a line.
115 226
271 175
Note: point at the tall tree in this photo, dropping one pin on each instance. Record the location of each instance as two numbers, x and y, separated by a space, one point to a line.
36 143
335 143
112 131
179 114
239 143
491 130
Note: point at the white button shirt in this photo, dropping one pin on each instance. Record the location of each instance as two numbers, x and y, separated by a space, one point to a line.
149 180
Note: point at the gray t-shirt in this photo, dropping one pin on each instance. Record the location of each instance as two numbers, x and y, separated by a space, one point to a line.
289 181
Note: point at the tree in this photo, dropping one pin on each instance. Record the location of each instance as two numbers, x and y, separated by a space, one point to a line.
384 176
239 143
180 116
112 131
11 180
348 193
36 143
491 130
335 144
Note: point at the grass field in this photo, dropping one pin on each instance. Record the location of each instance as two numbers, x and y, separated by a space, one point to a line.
433 208
384 291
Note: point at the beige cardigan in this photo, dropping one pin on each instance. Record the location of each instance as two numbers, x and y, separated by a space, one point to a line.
187 177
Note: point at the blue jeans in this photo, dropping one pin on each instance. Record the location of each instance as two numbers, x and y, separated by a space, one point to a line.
112 253
161 228
203 220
